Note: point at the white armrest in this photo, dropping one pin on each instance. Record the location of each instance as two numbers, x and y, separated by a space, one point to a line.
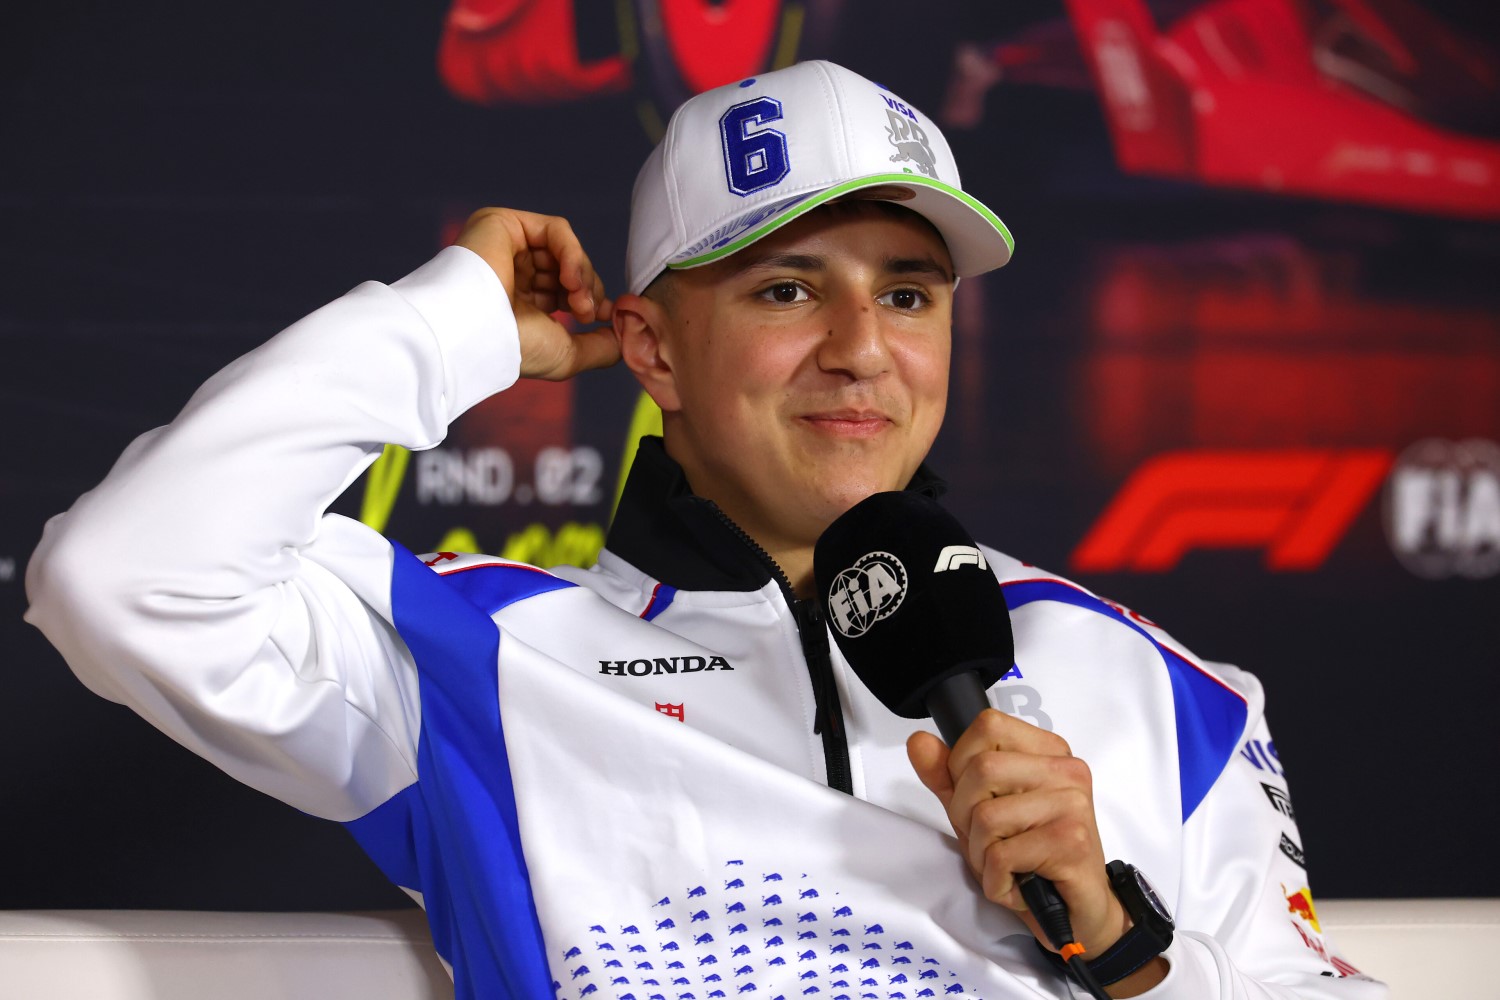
1419 947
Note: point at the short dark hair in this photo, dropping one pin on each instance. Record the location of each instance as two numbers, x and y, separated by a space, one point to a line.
662 290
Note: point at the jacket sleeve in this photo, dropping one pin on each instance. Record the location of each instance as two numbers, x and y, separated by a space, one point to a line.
1247 924
203 584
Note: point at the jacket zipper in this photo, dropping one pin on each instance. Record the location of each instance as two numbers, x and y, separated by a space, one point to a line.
828 721
830 712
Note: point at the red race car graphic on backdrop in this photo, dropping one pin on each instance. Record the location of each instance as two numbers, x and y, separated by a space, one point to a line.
1373 101
522 52
538 51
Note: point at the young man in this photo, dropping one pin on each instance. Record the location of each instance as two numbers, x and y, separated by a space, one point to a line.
492 734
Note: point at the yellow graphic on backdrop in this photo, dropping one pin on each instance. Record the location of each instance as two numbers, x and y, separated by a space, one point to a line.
382 484
572 544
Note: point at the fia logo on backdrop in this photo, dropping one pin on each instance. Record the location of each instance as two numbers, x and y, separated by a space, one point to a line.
1442 509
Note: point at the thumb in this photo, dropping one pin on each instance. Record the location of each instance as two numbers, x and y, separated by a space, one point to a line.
551 352
929 758
595 349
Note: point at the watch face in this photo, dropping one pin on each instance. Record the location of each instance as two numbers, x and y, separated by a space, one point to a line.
1148 891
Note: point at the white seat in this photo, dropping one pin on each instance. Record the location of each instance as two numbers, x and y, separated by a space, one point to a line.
181 955
1420 947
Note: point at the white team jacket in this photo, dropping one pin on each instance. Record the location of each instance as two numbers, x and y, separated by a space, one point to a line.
494 734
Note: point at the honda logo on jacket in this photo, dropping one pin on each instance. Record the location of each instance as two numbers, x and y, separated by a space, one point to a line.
663 665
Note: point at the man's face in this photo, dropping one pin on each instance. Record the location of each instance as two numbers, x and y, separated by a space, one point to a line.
811 368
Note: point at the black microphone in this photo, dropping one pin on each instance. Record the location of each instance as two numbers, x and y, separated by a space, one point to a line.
922 621
915 608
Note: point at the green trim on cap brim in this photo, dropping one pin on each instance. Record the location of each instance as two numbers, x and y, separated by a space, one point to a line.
823 197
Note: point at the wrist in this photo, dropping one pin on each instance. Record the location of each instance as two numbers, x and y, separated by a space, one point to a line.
1116 925
1145 978
1149 934
1132 963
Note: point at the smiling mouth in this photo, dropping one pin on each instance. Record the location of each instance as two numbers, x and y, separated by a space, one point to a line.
848 423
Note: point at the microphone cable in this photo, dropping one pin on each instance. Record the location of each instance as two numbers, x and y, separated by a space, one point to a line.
1052 914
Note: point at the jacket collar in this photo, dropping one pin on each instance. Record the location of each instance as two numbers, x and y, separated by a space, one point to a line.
662 528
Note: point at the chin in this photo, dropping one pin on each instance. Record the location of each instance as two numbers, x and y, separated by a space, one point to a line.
835 502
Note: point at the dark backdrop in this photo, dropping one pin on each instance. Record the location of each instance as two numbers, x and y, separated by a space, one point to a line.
1243 374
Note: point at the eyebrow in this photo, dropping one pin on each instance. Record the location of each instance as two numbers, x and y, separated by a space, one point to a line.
812 262
918 265
786 262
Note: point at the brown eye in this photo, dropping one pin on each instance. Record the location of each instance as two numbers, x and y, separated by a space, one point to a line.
784 292
905 299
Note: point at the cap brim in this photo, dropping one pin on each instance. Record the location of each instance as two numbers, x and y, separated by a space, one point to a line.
977 240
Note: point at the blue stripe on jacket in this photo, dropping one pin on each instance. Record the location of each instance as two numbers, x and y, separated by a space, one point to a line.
1210 717
453 835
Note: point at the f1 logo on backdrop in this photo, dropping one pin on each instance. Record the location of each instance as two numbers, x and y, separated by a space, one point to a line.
1441 508
1295 503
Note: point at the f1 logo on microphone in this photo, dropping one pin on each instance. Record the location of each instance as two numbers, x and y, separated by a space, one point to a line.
954 556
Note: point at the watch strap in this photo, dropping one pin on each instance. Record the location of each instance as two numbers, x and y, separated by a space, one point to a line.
1150 934
1135 948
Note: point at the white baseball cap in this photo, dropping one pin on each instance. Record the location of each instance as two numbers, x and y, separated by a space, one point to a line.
740 161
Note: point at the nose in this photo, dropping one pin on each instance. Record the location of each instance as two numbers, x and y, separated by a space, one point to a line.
855 342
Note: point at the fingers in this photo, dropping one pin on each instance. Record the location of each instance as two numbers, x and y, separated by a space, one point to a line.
1066 853
994 730
997 756
1003 795
1019 801
545 270
996 773
540 261
1050 830
557 256
1028 831
539 280
1008 789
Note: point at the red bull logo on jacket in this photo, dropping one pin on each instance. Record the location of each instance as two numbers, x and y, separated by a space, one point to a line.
1301 904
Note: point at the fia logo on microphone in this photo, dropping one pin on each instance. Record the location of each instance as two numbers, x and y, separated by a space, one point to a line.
866 592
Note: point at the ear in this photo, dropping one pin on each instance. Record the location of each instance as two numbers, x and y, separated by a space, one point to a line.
640 326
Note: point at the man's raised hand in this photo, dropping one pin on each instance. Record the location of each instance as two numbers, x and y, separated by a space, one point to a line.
1019 801
544 269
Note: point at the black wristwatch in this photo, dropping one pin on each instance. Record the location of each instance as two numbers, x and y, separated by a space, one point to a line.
1149 937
